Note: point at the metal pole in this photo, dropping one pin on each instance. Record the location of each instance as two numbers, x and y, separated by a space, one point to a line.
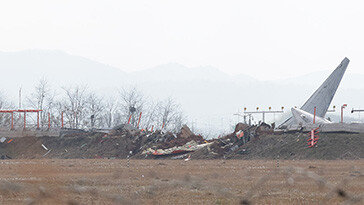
25 114
38 120
140 116
342 112
264 117
62 120
314 115
129 118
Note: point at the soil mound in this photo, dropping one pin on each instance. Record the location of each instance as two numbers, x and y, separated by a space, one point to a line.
246 142
330 146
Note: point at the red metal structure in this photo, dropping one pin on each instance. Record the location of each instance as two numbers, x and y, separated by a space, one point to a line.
163 125
62 120
140 117
313 137
129 118
25 114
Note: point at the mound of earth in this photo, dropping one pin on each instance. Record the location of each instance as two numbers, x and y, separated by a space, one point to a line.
292 146
247 142
67 147
123 142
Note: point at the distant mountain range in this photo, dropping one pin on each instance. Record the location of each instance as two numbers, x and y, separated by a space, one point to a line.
208 96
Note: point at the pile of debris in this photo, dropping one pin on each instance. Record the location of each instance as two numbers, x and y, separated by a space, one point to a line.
157 144
230 144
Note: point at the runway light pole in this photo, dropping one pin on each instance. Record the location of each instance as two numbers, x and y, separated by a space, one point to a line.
263 112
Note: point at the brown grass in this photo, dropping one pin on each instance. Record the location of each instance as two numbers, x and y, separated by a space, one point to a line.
87 181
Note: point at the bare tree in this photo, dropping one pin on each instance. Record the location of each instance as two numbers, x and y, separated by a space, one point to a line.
170 114
151 114
42 99
81 108
74 105
131 103
178 122
95 107
109 112
118 118
5 118
41 92
51 107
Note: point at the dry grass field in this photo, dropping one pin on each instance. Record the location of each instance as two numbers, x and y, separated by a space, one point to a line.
102 181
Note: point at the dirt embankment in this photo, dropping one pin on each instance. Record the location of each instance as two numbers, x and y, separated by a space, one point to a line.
284 146
67 147
292 146
119 144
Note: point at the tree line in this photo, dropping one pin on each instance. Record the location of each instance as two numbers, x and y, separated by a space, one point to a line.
83 108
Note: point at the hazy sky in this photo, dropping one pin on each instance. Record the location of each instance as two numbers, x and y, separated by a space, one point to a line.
264 39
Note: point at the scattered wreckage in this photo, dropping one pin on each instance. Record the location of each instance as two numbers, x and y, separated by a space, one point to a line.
159 144
176 150
132 142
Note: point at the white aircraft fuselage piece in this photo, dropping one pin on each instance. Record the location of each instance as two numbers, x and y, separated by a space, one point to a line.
303 117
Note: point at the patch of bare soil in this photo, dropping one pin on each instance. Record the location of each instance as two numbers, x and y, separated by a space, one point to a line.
102 181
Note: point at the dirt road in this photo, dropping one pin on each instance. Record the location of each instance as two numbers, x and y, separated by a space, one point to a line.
101 181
